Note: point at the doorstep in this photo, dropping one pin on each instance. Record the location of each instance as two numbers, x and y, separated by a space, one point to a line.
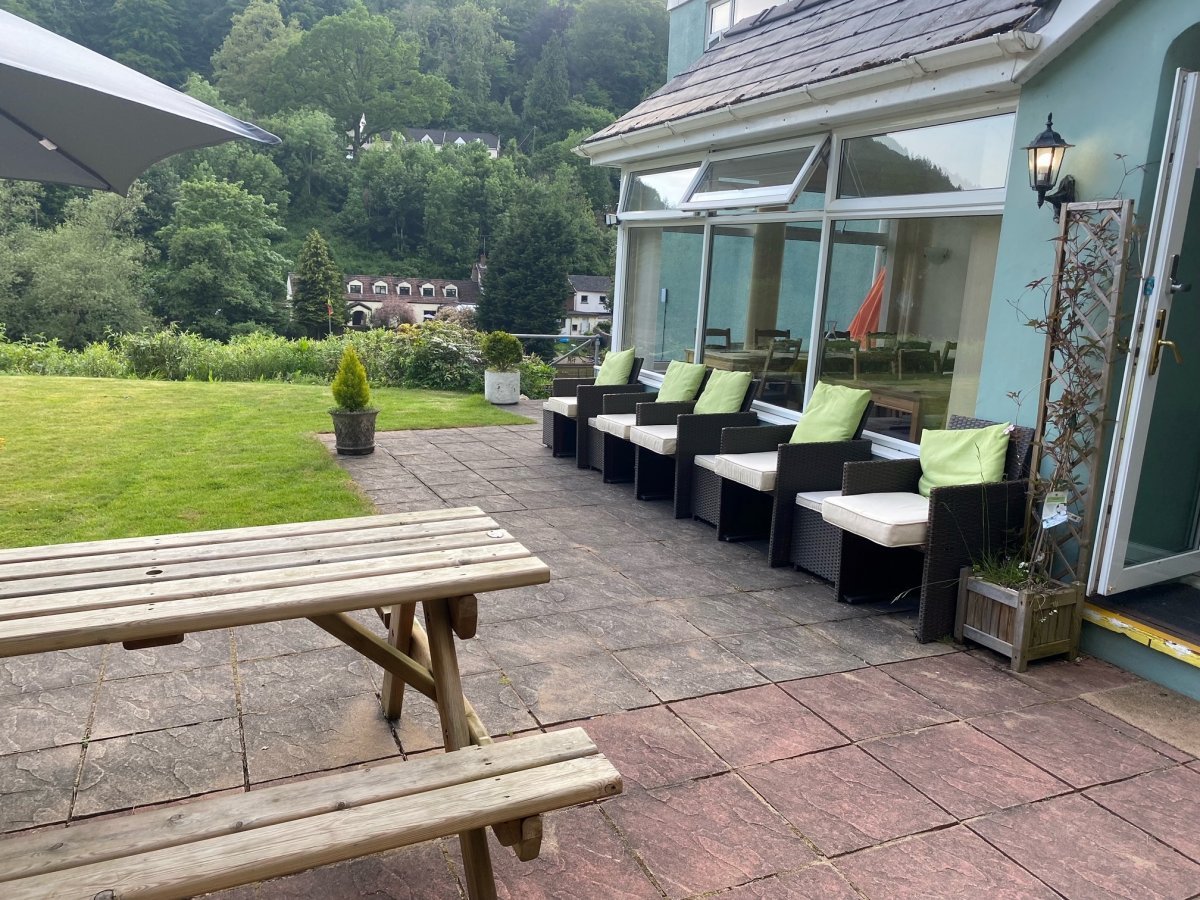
1148 652
1146 635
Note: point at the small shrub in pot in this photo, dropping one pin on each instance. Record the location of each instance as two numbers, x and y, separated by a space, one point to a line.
502 355
353 418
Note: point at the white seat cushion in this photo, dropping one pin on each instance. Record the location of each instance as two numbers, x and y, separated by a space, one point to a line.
813 499
617 424
891 520
564 406
754 470
658 439
707 461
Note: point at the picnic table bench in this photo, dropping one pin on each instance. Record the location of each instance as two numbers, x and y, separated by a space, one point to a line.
151 591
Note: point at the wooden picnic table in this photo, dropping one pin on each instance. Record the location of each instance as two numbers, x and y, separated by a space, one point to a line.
151 591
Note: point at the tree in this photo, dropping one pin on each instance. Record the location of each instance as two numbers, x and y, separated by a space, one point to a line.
145 37
549 92
247 67
358 70
526 283
221 269
311 154
639 29
316 287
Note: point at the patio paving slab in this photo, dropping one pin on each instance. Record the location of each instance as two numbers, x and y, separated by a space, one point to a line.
1069 745
678 581
315 676
756 725
1083 850
817 882
279 638
644 624
866 703
965 685
578 688
843 800
1166 804
1069 678
729 614
167 700
942 865
47 671
38 786
45 719
707 835
520 642
963 771
1169 716
880 639
688 669
651 747
788 653
197 651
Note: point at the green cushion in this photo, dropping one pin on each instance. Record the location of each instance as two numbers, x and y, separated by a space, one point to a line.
962 456
724 392
681 381
832 414
616 368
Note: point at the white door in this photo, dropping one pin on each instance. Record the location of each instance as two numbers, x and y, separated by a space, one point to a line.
1150 527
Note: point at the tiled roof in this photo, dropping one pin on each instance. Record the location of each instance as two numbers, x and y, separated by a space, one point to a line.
442 137
803 42
468 291
591 284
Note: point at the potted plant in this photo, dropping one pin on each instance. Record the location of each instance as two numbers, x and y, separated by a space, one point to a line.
353 417
502 354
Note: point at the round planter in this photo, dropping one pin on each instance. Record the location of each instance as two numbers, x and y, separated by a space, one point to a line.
503 388
354 431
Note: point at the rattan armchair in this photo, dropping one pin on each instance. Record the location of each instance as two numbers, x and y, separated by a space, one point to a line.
964 524
660 465
572 399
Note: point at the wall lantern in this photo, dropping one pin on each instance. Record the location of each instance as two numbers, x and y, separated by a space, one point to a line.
1045 162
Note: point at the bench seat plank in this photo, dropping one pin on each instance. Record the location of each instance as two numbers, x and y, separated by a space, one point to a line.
317 572
89 842
276 850
230 550
225 535
141 621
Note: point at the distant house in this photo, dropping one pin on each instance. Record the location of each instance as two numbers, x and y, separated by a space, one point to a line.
438 137
376 299
588 303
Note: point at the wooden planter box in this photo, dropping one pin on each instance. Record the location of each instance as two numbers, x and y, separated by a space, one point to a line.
1021 625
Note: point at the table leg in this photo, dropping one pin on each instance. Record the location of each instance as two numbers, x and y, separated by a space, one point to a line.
481 883
400 624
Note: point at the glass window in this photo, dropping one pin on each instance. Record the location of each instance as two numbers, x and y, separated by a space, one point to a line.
768 178
760 305
450 291
720 17
403 290
662 293
905 315
355 287
427 290
380 287
659 189
960 156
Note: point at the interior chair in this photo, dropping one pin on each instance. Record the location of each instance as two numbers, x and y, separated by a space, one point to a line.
839 355
610 450
878 353
775 385
561 411
894 540
913 355
718 338
661 428
747 488
763 336
946 362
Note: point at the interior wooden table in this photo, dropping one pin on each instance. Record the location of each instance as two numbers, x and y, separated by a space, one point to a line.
740 360
150 591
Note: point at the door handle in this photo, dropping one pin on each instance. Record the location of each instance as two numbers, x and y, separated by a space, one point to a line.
1175 286
1160 323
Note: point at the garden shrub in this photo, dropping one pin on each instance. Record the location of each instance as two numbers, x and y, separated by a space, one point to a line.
350 390
444 356
536 376
501 351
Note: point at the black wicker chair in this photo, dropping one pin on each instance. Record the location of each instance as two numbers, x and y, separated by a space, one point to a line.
965 523
741 512
613 455
658 462
560 419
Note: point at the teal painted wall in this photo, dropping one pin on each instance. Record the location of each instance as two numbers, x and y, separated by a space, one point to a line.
1108 95
686 36
1141 660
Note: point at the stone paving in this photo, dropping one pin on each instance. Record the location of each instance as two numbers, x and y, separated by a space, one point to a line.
773 742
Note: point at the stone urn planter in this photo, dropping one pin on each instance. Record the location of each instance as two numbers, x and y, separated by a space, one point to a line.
502 354
1021 624
503 388
353 418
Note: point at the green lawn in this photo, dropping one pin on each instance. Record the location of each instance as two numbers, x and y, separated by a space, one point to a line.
88 459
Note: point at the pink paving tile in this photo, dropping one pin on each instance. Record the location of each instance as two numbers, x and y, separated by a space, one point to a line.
819 882
1070 745
963 771
706 835
1064 678
1166 804
1129 730
651 748
756 725
582 856
950 864
964 684
1082 850
866 703
843 800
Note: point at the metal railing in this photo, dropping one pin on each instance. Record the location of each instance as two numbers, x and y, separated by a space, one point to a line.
596 342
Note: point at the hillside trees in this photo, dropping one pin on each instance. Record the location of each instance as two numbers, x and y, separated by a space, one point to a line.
247 66
618 49
316 287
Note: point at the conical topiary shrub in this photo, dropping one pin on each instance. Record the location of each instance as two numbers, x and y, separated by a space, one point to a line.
353 420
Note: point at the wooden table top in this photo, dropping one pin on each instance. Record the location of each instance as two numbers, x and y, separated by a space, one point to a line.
62 596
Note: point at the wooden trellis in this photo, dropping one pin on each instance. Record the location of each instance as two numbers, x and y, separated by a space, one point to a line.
1081 328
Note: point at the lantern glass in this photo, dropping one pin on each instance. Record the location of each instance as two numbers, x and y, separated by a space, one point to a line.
1044 166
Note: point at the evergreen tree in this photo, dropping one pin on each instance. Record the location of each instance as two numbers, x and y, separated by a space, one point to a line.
526 284
247 67
549 93
316 287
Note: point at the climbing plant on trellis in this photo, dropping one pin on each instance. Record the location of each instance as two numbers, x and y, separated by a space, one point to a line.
1081 324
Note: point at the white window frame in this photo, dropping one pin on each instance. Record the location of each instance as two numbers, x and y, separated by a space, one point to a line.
428 287
350 287
375 288
755 197
451 291
674 162
404 289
